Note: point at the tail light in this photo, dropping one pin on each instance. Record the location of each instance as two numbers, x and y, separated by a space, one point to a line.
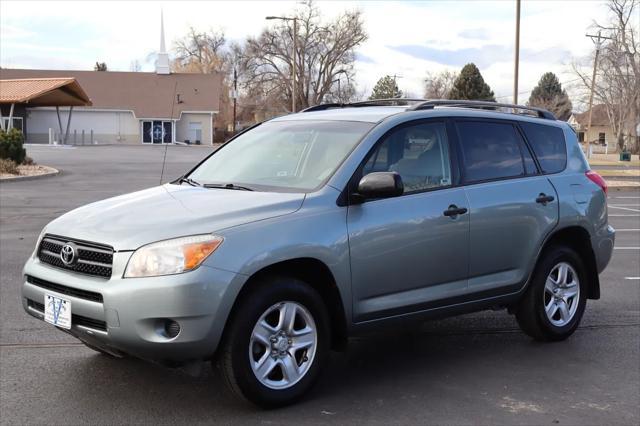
597 179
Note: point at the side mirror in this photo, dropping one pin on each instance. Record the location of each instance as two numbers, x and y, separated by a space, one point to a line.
380 185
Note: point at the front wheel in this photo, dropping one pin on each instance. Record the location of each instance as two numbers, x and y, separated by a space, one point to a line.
553 304
277 341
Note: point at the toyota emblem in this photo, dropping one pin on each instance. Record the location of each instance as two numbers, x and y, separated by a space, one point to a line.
68 254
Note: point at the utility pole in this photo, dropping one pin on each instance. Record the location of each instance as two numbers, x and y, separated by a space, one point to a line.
517 58
597 39
235 97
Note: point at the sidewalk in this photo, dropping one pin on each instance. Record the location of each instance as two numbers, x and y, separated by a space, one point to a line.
612 160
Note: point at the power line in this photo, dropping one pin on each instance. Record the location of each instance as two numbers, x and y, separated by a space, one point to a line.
546 86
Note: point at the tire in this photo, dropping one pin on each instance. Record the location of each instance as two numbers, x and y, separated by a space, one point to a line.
248 345
564 312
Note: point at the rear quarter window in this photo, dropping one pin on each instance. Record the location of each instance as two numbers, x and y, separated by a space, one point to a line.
548 144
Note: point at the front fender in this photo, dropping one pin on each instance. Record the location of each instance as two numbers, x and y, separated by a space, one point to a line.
317 231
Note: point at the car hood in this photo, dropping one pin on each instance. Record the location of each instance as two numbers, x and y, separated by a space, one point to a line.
129 221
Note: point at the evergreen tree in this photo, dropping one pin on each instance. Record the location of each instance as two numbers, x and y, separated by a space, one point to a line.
470 85
548 94
386 88
100 66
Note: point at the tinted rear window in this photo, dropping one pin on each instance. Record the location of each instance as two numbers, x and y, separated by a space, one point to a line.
548 144
489 150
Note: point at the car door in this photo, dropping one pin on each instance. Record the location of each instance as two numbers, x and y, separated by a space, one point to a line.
512 207
406 254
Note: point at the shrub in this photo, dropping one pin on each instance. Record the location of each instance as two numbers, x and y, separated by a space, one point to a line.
11 145
8 166
28 161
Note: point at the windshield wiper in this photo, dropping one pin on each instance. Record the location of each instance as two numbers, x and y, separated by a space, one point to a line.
189 181
227 186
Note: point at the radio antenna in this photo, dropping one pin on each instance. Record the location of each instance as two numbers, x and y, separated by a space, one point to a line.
166 146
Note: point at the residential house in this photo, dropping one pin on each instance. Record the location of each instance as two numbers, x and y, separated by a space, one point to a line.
600 133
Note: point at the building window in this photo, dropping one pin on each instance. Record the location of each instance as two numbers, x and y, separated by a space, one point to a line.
17 123
580 136
157 131
601 138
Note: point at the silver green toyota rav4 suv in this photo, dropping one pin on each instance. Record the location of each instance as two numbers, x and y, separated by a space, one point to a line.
312 227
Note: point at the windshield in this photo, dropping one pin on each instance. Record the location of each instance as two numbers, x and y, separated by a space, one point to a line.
283 155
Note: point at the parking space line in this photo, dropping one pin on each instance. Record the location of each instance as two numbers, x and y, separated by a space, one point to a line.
632 278
624 215
624 208
626 205
628 230
626 248
629 197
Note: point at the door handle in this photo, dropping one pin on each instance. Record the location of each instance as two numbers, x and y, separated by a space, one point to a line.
544 198
454 211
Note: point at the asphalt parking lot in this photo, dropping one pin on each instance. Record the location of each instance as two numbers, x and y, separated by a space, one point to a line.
473 369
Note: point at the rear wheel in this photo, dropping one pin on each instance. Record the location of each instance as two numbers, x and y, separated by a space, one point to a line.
277 341
552 306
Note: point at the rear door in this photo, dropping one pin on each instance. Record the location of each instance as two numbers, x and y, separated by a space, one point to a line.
512 206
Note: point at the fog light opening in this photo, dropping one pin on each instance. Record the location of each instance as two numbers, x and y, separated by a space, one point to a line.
171 328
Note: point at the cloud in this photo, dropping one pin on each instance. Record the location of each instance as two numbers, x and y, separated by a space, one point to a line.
475 34
481 56
363 58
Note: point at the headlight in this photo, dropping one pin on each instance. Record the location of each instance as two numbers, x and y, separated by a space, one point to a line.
171 256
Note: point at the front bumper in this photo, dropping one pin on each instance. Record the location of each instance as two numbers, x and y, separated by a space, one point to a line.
131 316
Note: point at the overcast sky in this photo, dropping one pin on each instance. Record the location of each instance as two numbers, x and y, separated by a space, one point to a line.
406 38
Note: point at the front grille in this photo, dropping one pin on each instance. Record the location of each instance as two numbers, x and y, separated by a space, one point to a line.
69 291
92 259
75 319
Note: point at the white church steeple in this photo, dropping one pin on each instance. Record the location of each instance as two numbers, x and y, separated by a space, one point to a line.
162 62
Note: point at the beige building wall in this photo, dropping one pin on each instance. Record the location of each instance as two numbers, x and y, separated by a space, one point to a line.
109 127
609 137
188 125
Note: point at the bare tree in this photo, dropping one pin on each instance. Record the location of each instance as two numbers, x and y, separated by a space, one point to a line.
617 83
207 52
201 52
325 57
438 85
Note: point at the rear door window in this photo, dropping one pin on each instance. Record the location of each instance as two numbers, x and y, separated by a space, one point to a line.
548 144
490 150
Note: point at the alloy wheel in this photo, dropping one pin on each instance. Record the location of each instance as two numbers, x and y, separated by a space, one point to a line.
561 294
283 345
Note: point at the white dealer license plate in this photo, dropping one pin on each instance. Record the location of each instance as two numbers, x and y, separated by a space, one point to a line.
57 311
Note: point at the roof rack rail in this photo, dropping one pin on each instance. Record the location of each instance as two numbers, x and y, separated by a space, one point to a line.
322 107
539 112
371 102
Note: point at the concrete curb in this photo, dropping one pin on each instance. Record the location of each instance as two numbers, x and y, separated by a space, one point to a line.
50 173
623 188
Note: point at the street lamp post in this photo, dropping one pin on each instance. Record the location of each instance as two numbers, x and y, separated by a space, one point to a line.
293 56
